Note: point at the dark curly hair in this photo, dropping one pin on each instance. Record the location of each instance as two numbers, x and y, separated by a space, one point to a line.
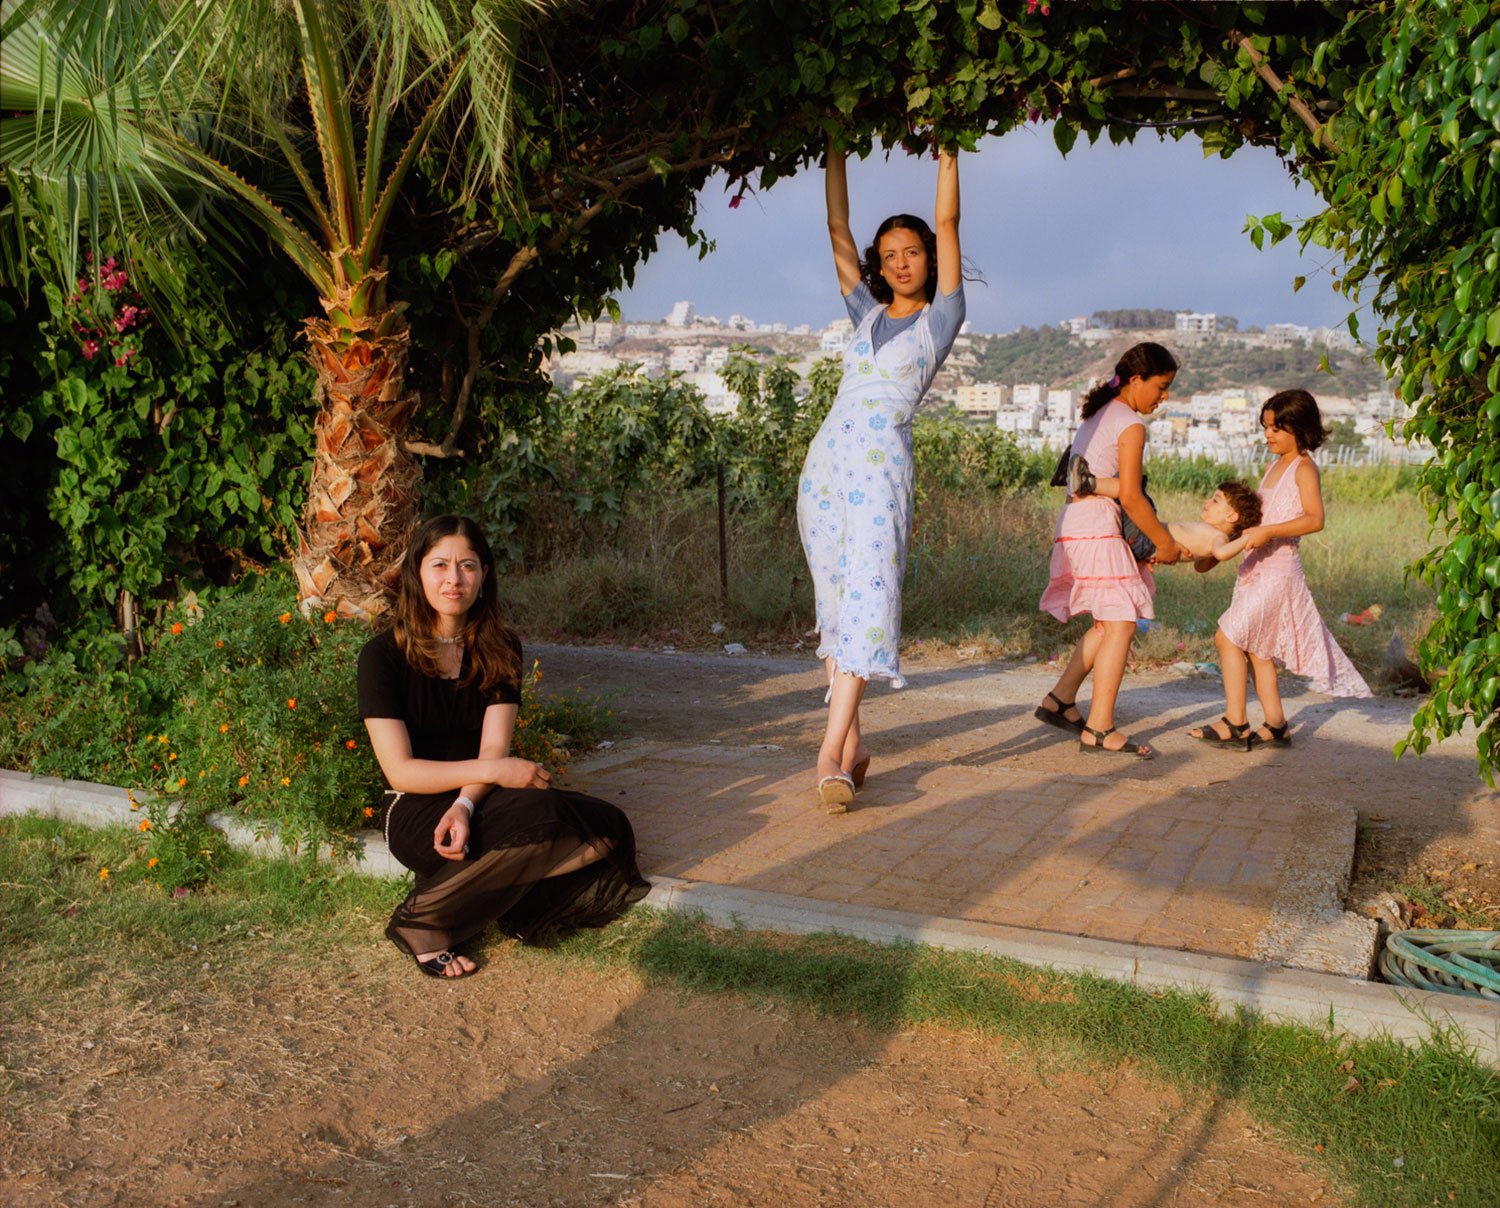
1140 360
869 267
1296 411
1246 505
492 648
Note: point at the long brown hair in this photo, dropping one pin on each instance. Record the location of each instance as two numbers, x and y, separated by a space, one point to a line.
488 641
1139 360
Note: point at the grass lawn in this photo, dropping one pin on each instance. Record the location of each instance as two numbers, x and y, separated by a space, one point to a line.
1399 1125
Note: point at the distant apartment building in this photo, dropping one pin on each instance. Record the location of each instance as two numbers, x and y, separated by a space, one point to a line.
1075 327
1284 335
1237 417
740 323
981 399
639 331
684 359
1027 394
1191 323
716 396
1020 421
682 314
715 358
836 335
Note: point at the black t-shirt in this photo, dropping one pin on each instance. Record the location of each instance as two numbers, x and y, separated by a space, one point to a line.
443 720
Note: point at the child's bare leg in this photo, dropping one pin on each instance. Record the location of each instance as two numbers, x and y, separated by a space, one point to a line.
1268 689
1109 670
1236 673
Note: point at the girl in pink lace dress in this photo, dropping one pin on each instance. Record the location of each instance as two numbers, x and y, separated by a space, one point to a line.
1272 620
1092 568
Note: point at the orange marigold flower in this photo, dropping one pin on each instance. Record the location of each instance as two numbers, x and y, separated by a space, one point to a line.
152 862
351 744
286 780
291 702
104 874
182 782
317 746
244 780
330 617
369 811
163 739
172 756
224 728
176 626
285 617
144 825
219 645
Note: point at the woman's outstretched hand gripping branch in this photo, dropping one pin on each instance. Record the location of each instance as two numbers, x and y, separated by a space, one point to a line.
836 192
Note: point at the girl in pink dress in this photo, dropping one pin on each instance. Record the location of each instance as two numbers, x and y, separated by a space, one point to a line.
1272 619
1092 568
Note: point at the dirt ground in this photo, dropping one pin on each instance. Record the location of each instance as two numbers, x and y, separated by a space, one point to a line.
540 1084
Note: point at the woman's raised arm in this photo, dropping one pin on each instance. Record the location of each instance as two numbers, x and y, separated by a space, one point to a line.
950 265
836 190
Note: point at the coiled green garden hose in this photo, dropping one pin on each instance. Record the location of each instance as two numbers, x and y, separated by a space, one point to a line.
1450 962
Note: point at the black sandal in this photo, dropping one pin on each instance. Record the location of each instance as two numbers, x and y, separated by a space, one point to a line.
1238 735
1054 717
1137 749
1279 737
437 966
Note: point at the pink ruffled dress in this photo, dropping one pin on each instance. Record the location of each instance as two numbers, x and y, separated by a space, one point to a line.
1272 614
1092 568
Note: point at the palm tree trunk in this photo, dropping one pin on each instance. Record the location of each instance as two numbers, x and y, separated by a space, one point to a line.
363 496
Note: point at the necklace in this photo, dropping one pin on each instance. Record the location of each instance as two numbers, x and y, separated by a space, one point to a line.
458 641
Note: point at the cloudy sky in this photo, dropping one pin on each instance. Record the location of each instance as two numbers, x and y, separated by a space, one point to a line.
1149 224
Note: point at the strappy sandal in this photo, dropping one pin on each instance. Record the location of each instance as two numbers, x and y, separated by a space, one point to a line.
1137 750
1238 735
836 792
1279 737
1054 717
437 966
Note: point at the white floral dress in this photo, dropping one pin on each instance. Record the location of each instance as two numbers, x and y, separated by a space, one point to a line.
854 505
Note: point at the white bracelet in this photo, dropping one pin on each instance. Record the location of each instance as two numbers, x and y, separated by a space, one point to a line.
467 804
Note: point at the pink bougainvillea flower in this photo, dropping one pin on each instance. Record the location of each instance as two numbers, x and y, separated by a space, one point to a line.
89 349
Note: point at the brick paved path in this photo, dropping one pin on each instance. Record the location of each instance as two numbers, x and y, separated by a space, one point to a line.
974 811
1086 856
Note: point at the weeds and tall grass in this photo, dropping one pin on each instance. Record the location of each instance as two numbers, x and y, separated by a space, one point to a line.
977 566
1401 1125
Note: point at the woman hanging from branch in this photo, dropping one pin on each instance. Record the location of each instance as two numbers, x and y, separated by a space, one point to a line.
854 507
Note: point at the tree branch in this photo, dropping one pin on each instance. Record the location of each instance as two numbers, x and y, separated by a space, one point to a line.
1294 102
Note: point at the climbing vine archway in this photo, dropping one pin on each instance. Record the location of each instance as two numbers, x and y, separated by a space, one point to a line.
1390 112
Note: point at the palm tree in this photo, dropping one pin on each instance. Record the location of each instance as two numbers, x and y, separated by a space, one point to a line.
141 124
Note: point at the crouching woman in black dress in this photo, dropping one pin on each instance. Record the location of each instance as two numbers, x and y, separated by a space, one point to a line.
489 839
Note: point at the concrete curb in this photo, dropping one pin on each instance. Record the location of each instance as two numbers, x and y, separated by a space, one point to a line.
1359 1008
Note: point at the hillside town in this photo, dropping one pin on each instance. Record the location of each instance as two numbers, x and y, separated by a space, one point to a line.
1221 423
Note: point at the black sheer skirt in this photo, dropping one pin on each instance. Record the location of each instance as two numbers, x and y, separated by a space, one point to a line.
516 839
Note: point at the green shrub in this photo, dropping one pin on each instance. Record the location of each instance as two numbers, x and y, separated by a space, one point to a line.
239 705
